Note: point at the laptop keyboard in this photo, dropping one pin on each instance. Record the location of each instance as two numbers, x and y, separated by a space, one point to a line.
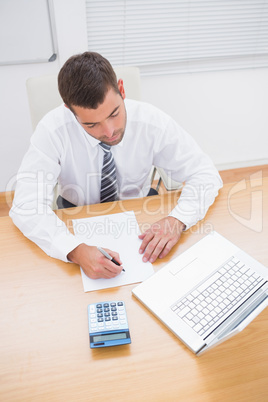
205 307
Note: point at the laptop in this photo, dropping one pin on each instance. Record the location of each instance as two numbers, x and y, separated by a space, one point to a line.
208 293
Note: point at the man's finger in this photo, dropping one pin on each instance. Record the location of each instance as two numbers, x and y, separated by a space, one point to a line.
152 247
112 267
115 257
141 236
147 239
157 249
166 249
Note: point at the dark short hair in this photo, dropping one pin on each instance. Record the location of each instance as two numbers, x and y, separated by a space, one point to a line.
85 79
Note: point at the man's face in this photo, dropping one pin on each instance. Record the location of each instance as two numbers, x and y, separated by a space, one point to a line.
107 123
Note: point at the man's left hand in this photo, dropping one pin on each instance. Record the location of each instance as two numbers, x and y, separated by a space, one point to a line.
160 238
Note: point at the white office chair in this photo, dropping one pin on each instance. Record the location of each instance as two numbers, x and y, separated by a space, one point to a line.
168 182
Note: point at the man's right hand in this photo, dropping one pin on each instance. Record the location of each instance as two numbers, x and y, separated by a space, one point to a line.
93 263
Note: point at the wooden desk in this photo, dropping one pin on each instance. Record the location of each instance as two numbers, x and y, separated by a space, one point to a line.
45 354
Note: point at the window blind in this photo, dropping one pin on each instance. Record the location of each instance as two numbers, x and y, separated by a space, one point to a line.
176 36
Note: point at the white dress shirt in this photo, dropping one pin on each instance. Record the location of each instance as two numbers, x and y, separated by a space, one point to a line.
62 152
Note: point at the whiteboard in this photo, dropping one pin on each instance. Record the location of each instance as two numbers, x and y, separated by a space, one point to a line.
27 33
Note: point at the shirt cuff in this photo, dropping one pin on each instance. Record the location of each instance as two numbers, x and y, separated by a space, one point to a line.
63 245
188 219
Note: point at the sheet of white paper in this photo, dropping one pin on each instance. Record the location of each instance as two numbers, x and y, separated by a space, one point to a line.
117 232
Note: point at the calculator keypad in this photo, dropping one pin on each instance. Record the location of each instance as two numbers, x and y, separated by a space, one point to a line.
107 316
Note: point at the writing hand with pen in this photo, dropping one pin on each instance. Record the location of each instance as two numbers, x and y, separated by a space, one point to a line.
96 262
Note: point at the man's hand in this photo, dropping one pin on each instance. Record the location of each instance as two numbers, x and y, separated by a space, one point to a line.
93 263
160 238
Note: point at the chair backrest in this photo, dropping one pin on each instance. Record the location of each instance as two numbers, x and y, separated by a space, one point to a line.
43 94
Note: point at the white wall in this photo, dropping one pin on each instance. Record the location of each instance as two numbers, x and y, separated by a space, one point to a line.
226 112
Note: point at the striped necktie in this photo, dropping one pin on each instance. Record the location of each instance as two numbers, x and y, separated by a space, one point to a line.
108 176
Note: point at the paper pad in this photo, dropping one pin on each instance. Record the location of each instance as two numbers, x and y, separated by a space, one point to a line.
117 232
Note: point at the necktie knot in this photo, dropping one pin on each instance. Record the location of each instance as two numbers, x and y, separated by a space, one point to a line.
105 147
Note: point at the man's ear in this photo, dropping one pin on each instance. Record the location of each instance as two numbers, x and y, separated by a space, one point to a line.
121 88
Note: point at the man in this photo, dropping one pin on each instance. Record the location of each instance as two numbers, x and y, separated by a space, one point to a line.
69 147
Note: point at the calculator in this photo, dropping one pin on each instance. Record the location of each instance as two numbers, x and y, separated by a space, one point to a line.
107 323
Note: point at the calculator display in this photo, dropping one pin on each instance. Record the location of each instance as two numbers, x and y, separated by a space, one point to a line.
109 337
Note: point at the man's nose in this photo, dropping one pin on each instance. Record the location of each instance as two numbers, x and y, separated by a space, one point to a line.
108 129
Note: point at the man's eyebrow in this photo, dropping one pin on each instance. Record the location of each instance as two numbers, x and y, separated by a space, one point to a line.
115 109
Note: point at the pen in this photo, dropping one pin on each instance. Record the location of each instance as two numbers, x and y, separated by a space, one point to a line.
109 256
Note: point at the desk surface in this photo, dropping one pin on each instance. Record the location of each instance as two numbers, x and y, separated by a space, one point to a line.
45 352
